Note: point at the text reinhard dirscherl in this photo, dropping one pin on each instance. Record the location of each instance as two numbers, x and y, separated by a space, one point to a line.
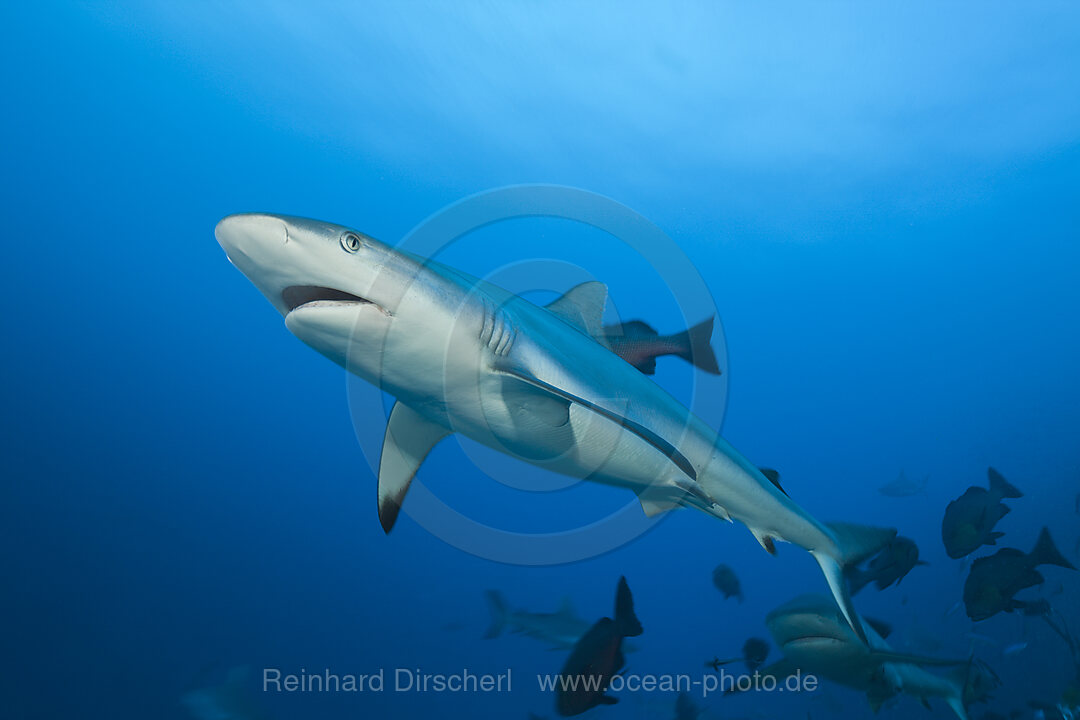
414 680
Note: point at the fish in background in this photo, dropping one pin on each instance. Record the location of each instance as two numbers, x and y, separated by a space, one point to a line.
231 700
560 629
890 565
639 344
815 639
727 582
596 658
995 580
685 708
755 652
970 519
902 486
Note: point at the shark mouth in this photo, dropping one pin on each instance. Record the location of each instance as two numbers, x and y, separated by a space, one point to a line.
298 295
810 641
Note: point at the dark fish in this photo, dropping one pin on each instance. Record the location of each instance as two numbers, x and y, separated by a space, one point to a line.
685 709
754 653
596 658
994 581
889 566
970 519
727 582
639 344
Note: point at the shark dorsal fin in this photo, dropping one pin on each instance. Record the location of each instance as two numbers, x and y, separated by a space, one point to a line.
583 307
408 440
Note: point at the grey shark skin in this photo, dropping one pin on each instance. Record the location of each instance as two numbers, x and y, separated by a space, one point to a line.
462 355
560 629
815 638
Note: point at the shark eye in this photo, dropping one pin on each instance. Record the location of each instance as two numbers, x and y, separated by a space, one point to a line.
350 242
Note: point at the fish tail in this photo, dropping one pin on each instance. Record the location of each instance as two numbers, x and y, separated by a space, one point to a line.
497 605
625 619
1002 487
695 347
1046 552
852 544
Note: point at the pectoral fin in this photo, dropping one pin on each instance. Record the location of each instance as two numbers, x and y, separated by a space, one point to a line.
623 417
408 440
654 506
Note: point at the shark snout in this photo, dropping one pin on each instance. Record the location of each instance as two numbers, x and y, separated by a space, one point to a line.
247 233
259 246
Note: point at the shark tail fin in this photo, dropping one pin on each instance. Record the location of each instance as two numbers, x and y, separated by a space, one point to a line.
696 347
1000 486
625 619
852 544
499 611
1046 552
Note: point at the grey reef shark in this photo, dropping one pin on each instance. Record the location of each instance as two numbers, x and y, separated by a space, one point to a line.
538 383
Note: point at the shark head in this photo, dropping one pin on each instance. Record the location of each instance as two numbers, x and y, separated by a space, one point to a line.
295 261
334 286
809 619
813 634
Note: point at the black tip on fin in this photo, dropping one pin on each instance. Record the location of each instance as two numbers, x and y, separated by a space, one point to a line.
389 509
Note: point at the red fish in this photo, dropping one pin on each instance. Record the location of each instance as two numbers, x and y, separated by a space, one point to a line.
639 344
596 658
